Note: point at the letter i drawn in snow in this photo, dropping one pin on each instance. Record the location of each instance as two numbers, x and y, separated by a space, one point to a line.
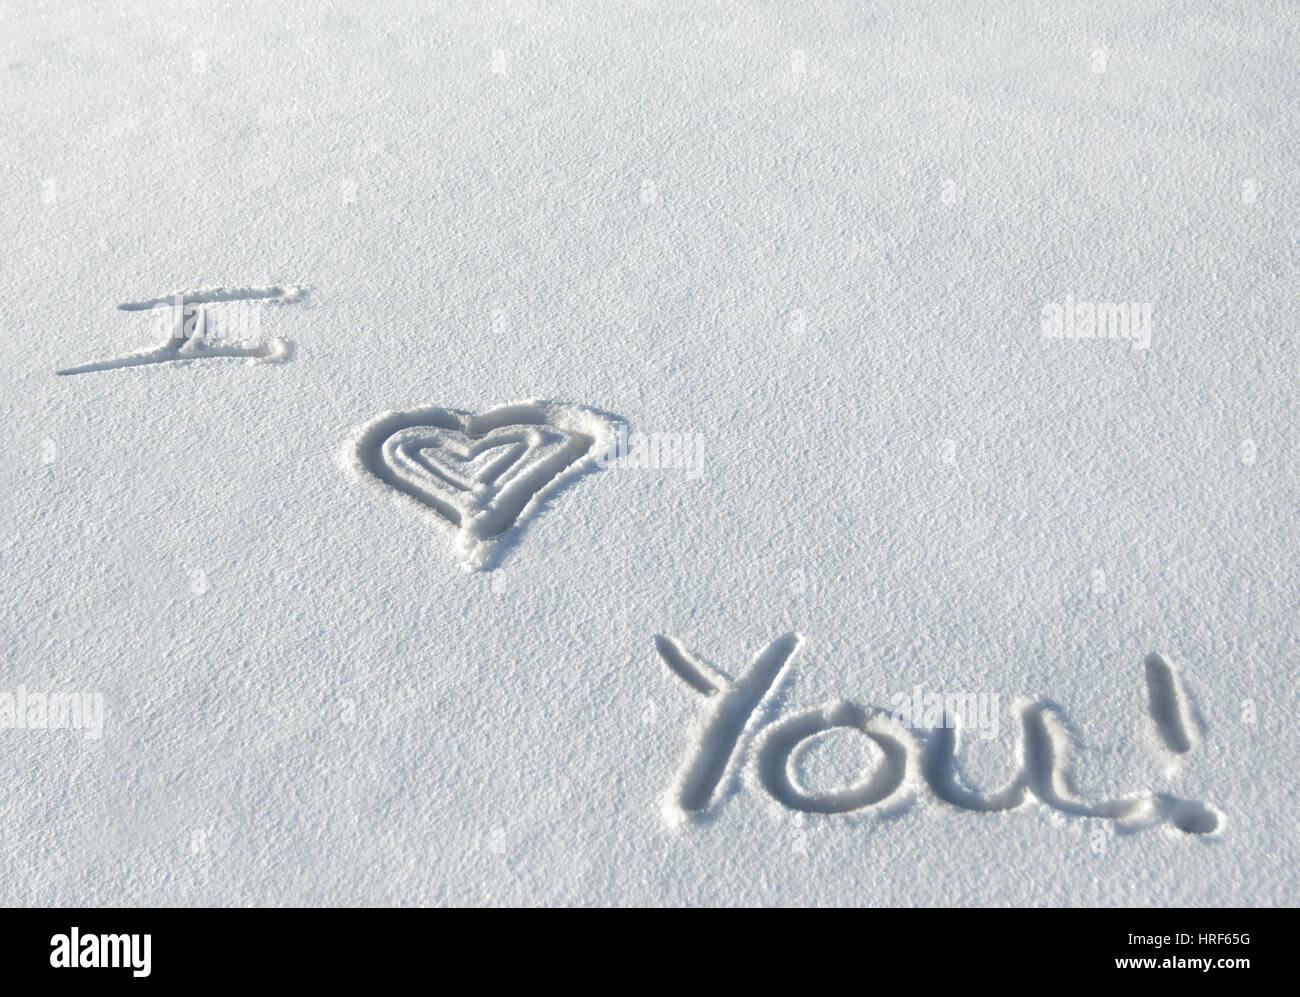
205 324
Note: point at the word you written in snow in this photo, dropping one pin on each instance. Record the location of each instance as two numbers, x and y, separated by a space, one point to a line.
904 756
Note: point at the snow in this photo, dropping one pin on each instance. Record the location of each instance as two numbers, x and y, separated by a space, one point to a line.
846 247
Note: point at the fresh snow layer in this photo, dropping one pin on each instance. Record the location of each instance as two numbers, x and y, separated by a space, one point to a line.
820 284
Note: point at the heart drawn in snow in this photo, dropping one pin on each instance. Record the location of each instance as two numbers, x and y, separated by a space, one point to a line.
479 475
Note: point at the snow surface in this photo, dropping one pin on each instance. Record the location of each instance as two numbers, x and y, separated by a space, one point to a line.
821 236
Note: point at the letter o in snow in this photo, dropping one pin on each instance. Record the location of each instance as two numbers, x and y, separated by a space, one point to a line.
781 741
